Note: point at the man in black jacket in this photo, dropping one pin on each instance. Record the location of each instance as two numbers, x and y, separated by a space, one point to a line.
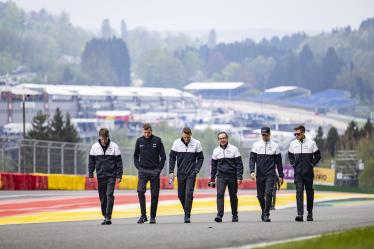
265 155
227 165
149 159
303 155
105 157
188 154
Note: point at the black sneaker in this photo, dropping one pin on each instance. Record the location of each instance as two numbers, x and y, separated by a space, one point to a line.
152 220
106 222
272 208
235 218
262 216
309 217
266 218
299 218
142 219
187 219
218 219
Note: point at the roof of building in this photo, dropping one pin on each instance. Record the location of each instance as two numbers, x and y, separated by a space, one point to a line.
213 85
280 89
118 91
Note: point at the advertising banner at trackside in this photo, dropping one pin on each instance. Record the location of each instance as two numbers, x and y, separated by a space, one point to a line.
322 176
288 172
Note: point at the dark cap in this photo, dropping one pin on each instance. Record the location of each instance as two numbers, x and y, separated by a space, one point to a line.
265 130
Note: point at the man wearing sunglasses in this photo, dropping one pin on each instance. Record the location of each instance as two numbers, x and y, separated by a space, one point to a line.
303 154
265 155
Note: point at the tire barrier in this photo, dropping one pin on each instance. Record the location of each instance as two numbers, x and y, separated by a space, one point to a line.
202 183
129 182
19 181
66 182
248 184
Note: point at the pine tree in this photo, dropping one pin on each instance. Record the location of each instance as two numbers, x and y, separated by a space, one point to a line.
351 136
332 141
56 126
331 66
39 127
106 29
319 140
367 130
124 31
69 132
212 39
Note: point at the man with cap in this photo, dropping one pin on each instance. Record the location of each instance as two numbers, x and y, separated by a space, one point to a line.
303 155
264 158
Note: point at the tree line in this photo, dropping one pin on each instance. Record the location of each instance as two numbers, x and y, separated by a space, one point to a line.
341 59
360 139
56 129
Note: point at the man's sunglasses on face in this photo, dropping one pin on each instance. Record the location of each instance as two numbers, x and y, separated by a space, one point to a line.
297 134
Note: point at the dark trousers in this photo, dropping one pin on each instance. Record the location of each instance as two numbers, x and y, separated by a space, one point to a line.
232 185
186 186
106 189
302 182
155 190
276 187
274 195
265 187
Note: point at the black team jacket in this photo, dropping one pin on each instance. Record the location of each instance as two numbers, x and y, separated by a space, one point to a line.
227 162
149 154
266 157
106 160
303 156
188 157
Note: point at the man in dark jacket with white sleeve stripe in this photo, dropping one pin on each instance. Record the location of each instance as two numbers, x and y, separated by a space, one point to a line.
303 155
227 165
105 157
265 155
188 154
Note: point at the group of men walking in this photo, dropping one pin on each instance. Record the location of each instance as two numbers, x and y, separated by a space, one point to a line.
265 165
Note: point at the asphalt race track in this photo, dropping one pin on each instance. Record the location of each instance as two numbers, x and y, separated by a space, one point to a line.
169 232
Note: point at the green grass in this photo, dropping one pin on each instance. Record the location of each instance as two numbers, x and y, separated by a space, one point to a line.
361 238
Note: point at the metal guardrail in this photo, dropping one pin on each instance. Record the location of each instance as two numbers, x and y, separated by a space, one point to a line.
41 156
54 157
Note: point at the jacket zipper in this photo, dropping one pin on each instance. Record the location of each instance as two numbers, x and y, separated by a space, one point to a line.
265 147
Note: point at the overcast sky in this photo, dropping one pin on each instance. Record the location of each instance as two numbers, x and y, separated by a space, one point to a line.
178 15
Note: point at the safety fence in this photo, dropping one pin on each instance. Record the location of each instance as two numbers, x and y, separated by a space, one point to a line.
54 157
